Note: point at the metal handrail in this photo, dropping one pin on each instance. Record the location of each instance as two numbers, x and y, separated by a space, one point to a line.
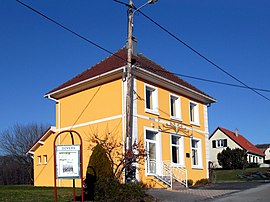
178 173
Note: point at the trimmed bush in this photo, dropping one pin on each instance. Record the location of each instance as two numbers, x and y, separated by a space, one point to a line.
232 158
190 182
99 167
253 165
108 189
100 162
203 181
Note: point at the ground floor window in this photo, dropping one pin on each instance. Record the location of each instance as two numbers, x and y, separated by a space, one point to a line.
177 150
196 153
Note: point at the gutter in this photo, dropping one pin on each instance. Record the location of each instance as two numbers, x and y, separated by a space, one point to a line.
58 112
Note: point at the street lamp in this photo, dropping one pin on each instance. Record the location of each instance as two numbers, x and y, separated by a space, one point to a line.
148 2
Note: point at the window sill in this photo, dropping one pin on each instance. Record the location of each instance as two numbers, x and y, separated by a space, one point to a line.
176 118
150 174
195 124
174 165
197 167
152 112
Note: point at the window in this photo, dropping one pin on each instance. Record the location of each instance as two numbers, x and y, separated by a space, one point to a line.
175 107
219 143
39 159
196 153
151 99
194 113
45 159
177 150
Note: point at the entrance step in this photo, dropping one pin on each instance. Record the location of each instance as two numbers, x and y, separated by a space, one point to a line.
177 185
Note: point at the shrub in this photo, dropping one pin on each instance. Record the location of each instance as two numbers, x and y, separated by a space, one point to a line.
232 158
99 166
100 162
108 189
253 165
203 181
190 182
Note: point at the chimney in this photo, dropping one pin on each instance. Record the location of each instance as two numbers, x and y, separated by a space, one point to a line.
236 132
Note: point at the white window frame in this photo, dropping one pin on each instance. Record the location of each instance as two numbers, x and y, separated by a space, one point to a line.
181 150
154 90
220 143
45 159
39 160
177 104
158 151
196 117
199 153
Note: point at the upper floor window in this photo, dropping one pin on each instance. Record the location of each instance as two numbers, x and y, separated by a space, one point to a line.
151 99
219 143
194 113
196 152
175 107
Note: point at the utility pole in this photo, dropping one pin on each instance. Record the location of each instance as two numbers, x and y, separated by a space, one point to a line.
129 95
130 87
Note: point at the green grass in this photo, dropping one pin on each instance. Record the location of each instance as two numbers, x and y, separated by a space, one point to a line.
232 175
25 193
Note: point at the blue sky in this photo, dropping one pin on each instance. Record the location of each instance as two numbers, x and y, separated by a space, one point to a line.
37 56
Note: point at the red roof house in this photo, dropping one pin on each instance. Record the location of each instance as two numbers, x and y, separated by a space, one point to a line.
222 138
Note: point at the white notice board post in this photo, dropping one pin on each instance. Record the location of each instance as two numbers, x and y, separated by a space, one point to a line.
68 161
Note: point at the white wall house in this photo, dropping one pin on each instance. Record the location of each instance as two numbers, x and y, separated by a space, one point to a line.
265 148
222 138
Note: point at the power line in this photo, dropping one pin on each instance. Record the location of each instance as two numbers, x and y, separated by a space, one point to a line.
206 80
202 56
106 50
221 83
69 30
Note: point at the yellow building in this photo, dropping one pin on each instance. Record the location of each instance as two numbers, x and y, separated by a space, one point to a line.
169 116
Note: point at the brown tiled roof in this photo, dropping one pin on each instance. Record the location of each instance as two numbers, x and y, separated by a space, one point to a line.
119 59
241 141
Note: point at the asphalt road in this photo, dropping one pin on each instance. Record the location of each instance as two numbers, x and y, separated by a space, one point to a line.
260 194
226 191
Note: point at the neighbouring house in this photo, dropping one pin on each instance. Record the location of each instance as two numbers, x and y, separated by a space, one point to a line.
170 116
265 148
222 138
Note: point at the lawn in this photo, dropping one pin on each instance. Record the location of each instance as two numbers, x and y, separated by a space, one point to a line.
25 193
232 175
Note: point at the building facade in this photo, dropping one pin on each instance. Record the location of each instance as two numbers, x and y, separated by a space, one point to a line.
222 138
169 116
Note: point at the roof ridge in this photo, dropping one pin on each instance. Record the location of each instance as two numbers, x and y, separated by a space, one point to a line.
241 141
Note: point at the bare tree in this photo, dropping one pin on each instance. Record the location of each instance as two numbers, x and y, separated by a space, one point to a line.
16 140
120 159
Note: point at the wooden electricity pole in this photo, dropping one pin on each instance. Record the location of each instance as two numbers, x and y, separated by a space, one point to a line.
130 81
129 94
129 107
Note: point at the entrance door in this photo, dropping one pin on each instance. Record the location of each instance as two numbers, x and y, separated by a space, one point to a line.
151 147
